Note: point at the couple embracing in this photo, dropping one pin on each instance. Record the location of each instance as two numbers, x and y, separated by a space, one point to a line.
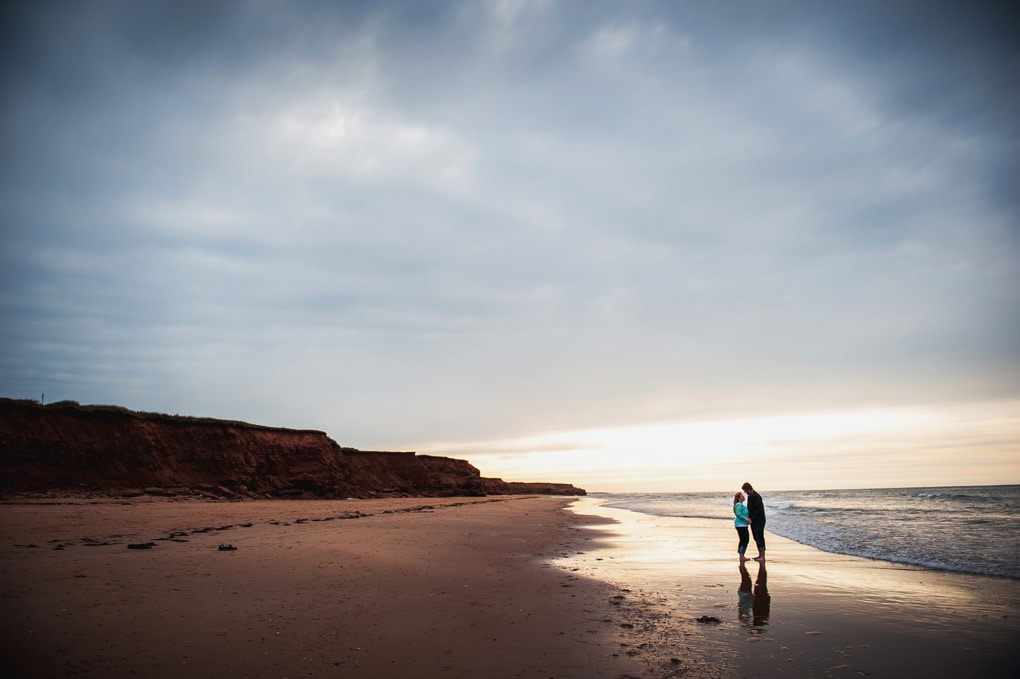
754 514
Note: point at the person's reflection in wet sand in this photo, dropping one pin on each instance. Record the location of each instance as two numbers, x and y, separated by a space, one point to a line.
762 599
745 599
753 606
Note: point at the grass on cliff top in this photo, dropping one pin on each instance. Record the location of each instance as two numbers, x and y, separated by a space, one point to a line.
74 406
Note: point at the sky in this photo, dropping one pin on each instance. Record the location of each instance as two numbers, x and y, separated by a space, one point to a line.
635 246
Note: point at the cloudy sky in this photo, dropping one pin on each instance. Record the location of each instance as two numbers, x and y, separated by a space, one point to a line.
631 245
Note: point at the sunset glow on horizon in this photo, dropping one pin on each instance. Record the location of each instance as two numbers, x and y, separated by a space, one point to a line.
830 450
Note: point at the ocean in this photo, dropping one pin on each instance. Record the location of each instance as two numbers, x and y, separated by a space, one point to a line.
967 529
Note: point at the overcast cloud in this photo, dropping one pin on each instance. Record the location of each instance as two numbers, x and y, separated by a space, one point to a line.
404 222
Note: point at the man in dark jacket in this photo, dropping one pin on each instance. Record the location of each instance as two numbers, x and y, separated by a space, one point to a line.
756 513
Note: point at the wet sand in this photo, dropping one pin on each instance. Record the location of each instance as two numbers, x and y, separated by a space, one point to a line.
480 587
805 613
364 588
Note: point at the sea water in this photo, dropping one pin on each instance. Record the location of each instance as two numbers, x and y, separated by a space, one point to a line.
968 529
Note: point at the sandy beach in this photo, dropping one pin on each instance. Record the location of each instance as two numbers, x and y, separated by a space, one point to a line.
462 587
374 588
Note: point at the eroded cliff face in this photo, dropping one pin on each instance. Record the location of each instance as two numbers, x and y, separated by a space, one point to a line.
67 447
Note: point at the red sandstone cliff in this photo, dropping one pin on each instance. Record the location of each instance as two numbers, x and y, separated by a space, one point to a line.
64 447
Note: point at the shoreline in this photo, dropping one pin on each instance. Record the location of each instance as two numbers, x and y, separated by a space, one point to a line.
819 613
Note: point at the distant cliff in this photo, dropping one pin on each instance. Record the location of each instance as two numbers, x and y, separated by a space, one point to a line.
69 447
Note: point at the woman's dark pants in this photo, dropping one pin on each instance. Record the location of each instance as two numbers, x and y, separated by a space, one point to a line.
744 539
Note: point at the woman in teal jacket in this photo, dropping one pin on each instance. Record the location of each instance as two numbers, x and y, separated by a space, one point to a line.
741 523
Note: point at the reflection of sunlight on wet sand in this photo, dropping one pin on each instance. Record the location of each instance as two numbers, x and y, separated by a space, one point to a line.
818 611
665 549
656 545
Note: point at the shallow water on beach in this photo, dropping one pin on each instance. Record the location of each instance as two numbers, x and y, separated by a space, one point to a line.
806 612
967 529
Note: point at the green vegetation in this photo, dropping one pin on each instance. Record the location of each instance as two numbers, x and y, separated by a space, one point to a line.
74 406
